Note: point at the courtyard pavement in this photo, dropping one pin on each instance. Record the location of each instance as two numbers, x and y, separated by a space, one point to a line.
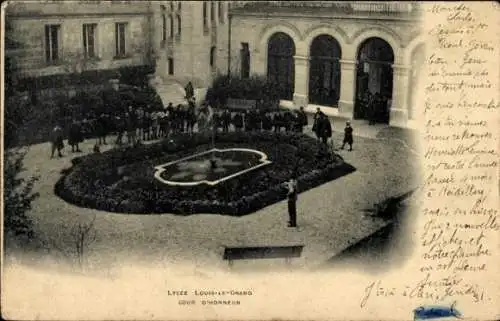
331 217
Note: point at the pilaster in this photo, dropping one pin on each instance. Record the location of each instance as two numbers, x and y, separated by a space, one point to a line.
301 89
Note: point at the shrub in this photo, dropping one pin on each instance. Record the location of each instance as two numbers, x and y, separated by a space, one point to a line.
253 88
94 181
18 196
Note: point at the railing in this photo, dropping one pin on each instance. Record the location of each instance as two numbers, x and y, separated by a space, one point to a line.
387 8
382 7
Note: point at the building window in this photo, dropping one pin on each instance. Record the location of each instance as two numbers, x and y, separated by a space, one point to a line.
52 42
212 11
120 38
170 66
221 12
205 15
171 6
164 28
179 6
164 25
245 60
89 33
179 25
171 26
213 52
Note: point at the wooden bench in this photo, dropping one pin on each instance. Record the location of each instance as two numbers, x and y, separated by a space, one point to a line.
262 252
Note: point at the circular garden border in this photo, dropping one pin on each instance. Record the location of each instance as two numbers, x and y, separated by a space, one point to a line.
79 184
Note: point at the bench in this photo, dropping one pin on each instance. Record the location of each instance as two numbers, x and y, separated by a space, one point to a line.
262 252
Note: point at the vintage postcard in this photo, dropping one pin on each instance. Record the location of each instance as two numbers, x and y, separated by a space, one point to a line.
250 160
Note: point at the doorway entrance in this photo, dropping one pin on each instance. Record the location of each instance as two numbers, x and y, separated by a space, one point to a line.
374 81
280 64
324 71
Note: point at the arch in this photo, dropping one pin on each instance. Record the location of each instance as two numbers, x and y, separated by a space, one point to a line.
385 34
412 45
324 70
375 58
336 32
280 63
269 30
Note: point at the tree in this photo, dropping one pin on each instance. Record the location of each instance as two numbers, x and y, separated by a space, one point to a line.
18 191
18 196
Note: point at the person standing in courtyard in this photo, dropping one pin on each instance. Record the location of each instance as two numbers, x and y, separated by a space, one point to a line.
189 89
302 120
75 136
292 192
323 128
238 122
316 122
57 141
347 136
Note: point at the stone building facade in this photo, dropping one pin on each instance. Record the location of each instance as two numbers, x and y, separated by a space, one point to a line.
321 53
280 37
190 40
59 37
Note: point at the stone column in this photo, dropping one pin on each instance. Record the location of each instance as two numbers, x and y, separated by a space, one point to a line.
347 88
301 90
399 110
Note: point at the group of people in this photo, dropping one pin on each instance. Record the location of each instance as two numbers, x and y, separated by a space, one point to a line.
375 106
253 120
322 128
136 124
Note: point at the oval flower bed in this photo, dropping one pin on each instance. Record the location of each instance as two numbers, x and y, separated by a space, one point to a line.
122 180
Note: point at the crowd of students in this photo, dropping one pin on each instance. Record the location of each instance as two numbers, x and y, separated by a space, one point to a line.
143 124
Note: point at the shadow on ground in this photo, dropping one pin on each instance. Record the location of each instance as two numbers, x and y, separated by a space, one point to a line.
386 247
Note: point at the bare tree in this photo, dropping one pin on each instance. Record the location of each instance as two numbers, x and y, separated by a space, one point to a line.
83 235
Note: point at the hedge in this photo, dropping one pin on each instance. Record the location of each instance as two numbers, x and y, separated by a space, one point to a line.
122 180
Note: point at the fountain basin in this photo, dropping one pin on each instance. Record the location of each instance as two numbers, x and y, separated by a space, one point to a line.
199 168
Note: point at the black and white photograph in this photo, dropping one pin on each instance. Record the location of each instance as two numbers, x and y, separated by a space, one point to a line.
203 138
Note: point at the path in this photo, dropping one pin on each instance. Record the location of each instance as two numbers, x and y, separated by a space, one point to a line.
330 217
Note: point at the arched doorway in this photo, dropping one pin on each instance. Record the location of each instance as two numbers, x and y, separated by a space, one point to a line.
280 64
417 62
324 71
374 77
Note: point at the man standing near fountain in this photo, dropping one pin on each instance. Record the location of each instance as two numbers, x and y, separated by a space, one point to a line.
292 200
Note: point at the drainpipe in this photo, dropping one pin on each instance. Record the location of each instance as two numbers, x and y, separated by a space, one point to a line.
229 47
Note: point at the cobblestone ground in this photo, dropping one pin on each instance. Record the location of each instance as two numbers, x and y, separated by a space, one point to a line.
331 217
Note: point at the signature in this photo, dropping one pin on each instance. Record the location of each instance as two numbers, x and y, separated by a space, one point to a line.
377 290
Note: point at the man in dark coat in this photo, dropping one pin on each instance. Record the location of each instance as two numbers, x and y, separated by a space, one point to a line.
57 141
292 192
324 128
226 121
302 119
189 91
267 122
238 122
102 128
347 136
317 117
75 136
277 122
